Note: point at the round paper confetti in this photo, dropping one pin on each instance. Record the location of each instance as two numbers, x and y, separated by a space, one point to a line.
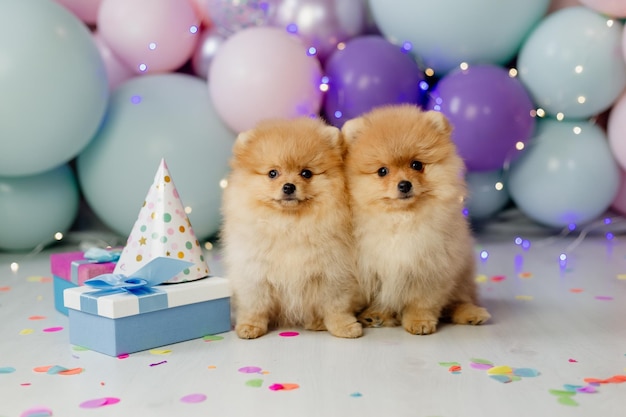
193 398
99 402
288 334
37 412
53 329
250 370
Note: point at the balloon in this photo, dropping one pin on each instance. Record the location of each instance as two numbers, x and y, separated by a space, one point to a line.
619 202
34 208
264 72
117 71
616 130
567 174
369 72
615 8
85 10
150 36
445 33
322 24
152 117
570 63
490 112
202 10
231 16
562 4
487 194
209 43
53 86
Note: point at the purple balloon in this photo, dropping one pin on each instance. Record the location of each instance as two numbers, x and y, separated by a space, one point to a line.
369 72
491 113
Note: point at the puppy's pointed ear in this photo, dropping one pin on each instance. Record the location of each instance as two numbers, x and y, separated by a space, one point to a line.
243 138
352 128
439 122
333 134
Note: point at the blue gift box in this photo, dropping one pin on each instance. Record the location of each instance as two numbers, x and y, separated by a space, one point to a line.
115 321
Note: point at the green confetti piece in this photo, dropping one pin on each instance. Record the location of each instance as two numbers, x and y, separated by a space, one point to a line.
255 383
212 338
449 364
561 393
568 401
483 361
79 348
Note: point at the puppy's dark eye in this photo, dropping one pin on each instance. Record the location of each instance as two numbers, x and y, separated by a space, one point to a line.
417 165
382 171
306 173
272 174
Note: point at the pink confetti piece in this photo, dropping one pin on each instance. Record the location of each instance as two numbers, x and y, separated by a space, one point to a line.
498 278
283 387
576 290
572 360
53 329
193 398
604 297
3 289
250 370
37 412
276 387
588 389
123 356
288 334
99 402
37 318
158 363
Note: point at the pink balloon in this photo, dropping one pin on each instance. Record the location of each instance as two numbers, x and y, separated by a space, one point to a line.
150 36
619 203
202 10
117 71
85 10
616 130
614 8
264 72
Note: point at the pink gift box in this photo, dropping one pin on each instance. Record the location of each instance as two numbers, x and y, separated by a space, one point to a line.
72 269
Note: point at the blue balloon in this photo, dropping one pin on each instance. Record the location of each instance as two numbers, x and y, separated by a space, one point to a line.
149 118
571 63
34 208
567 175
487 194
444 33
53 86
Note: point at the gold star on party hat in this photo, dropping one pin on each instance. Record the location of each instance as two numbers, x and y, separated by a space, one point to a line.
163 229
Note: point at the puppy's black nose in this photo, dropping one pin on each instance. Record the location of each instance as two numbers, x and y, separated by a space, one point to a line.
289 188
404 186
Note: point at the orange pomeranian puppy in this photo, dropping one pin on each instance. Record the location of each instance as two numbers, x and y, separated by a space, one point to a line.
287 236
415 248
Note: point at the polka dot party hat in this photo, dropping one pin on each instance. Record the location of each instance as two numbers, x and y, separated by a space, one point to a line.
163 229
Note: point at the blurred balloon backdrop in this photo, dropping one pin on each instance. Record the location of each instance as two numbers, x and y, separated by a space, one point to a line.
96 92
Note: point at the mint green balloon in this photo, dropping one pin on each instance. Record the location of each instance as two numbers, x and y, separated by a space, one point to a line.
152 117
53 86
34 208
566 175
487 194
445 33
571 63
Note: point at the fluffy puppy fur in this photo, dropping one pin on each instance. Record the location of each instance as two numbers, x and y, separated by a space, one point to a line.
415 249
287 238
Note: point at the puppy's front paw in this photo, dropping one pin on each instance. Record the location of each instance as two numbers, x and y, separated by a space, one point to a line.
470 314
372 318
421 327
248 331
350 331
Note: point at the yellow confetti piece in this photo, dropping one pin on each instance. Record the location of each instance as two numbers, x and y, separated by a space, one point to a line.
525 275
621 276
500 370
24 332
160 351
265 372
38 278
212 367
524 297
481 278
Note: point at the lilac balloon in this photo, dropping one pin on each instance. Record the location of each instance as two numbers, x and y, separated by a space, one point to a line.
210 41
322 24
491 112
369 72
